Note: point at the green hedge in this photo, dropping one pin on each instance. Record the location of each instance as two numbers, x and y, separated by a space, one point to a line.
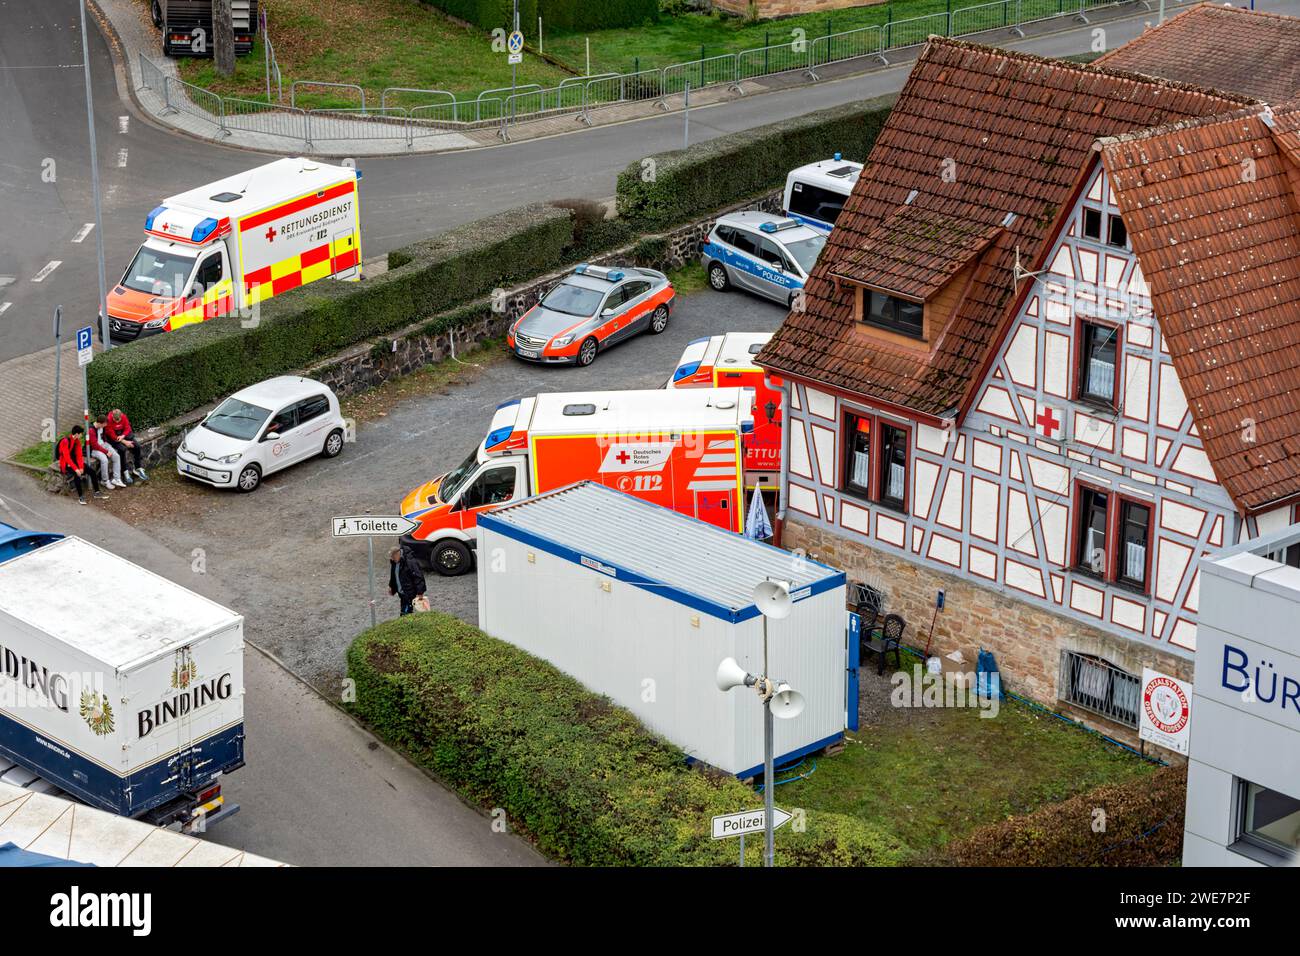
557 15
167 375
582 777
1135 823
689 183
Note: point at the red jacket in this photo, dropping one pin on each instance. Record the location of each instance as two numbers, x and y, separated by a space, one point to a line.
94 440
115 429
70 455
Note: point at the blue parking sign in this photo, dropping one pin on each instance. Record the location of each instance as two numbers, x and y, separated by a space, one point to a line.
84 337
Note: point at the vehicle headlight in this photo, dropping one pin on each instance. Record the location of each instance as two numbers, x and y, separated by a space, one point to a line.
155 323
562 341
231 459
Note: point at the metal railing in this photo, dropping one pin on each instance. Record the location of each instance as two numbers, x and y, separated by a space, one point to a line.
402 117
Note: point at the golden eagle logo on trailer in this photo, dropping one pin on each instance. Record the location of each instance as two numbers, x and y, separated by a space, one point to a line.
97 712
183 675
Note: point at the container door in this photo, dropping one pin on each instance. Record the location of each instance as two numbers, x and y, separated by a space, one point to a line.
183 675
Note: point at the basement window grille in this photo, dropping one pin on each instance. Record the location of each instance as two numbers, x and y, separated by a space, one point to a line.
1099 686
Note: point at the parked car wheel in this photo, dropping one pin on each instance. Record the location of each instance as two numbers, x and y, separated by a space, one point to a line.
155 12
450 558
333 444
718 277
587 354
659 321
250 478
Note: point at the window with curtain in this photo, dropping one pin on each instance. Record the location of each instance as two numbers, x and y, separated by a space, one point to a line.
893 466
1091 556
857 469
1135 532
1098 357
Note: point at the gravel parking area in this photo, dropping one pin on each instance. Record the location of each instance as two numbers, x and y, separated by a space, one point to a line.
303 593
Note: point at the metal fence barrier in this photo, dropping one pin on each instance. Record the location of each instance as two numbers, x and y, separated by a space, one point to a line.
410 120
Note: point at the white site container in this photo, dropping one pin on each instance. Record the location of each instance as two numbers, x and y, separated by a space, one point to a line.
641 604
117 685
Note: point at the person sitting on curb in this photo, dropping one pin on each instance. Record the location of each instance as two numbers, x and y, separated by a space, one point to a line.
405 579
102 451
72 464
121 437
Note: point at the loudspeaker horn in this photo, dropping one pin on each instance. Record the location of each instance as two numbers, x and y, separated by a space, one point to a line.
787 702
773 599
730 674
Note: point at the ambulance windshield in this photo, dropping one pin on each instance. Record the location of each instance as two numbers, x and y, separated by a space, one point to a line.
158 272
456 478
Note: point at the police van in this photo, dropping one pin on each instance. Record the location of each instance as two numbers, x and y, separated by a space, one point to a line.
761 253
815 194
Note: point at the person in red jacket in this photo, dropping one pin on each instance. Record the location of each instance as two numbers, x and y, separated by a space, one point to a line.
72 463
122 438
104 454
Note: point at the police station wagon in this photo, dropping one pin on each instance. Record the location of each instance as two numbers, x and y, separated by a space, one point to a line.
761 253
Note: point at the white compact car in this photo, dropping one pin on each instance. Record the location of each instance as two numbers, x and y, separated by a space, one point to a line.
260 430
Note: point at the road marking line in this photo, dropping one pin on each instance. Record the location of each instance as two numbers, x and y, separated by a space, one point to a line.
83 232
6 280
47 269
121 159
122 123
4 307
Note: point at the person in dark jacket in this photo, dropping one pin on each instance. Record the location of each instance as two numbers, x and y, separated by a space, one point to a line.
405 578
71 458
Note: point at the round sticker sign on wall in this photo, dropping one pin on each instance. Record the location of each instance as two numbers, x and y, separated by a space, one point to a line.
1166 712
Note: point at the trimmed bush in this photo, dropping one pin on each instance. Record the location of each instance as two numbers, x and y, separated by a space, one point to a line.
167 375
1143 826
688 183
579 775
557 15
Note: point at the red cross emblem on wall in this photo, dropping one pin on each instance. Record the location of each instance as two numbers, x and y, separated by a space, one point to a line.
623 457
270 234
1047 422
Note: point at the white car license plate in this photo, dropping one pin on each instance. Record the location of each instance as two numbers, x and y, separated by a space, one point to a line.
196 470
527 353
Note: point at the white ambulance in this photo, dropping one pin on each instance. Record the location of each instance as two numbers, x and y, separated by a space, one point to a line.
220 249
679 449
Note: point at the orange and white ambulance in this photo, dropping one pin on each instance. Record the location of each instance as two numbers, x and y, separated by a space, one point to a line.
222 248
727 361
679 449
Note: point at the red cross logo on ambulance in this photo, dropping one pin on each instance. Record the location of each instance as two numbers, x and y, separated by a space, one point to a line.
1047 424
637 457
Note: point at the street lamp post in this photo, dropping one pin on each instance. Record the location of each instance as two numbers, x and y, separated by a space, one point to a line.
94 182
773 600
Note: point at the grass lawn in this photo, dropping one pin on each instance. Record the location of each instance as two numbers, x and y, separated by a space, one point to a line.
934 774
39 455
690 36
689 278
375 44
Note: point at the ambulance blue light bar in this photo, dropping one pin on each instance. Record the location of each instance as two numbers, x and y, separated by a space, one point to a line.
685 371
148 220
599 272
204 230
497 436
779 226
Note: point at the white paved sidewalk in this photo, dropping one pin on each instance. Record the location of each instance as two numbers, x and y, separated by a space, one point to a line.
27 397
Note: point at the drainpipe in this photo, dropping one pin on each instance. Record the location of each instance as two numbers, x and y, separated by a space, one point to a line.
783 480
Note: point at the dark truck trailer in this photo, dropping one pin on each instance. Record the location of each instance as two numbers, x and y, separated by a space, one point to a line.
187 26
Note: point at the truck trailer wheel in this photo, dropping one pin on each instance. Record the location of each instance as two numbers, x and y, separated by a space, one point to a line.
155 12
450 557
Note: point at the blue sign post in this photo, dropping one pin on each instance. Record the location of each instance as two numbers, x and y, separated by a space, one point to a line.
85 354
855 650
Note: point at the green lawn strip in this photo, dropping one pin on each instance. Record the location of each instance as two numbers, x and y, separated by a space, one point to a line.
931 780
689 278
38 456
686 37
396 44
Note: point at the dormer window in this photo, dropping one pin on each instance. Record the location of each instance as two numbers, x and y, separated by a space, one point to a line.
893 314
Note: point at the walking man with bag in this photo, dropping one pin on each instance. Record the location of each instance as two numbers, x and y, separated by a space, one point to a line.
405 579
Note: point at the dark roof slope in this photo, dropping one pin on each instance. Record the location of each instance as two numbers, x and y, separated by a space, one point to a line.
1016 132
1211 209
1223 47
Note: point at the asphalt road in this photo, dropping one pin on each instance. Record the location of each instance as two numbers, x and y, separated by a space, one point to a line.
305 592
42 114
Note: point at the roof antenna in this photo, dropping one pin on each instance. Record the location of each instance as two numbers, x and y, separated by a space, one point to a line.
1019 272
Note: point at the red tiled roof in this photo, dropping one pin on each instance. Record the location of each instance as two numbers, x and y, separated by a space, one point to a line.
915 251
1211 210
1227 48
1019 131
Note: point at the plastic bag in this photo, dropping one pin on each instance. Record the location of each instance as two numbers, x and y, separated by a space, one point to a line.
421 603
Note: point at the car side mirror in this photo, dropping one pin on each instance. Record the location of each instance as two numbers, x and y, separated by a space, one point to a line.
271 436
609 311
